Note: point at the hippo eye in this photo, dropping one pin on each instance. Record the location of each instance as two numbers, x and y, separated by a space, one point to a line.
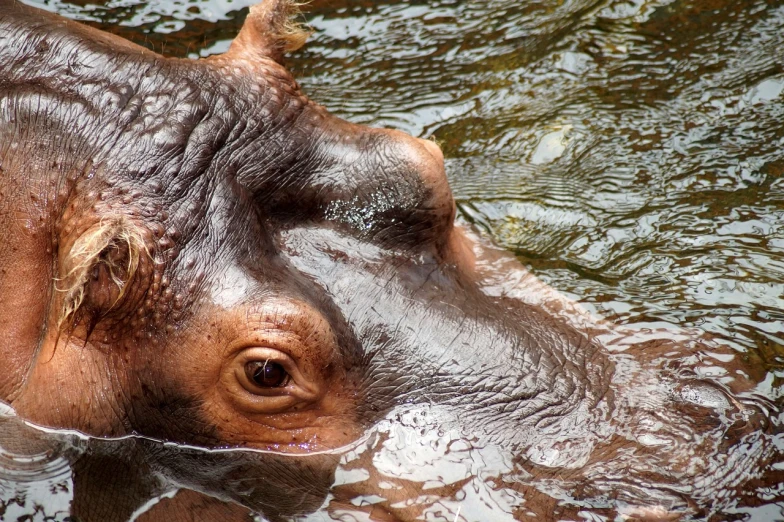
267 374
266 380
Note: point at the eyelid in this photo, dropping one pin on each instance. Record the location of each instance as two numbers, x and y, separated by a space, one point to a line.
263 366
297 386
253 367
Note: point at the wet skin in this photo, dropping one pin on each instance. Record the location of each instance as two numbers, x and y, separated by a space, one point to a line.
196 252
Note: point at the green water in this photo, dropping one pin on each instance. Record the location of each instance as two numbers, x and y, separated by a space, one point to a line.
629 152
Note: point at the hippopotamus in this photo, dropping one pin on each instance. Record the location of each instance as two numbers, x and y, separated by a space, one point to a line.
196 253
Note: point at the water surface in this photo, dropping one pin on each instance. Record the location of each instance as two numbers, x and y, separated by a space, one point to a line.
629 152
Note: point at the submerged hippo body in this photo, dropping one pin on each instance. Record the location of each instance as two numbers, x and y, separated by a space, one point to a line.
195 252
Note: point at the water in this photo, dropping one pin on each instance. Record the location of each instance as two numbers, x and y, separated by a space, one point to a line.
628 152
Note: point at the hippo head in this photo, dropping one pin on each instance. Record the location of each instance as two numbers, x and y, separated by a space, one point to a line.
174 309
209 257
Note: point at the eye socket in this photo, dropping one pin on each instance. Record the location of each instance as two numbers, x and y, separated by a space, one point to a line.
267 374
267 379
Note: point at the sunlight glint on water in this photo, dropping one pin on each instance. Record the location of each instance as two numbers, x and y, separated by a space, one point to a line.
628 152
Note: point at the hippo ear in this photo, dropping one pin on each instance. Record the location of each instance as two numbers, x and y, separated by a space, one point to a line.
270 30
97 271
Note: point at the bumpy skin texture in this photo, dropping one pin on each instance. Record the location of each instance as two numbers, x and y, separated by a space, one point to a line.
233 176
267 230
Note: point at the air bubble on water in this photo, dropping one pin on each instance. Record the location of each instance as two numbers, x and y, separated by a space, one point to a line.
704 395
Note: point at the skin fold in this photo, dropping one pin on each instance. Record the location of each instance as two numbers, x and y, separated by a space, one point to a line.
169 228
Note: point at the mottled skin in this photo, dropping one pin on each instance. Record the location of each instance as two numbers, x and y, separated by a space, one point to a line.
227 167
273 231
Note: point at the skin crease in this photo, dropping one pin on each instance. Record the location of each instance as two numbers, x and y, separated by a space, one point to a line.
266 230
93 376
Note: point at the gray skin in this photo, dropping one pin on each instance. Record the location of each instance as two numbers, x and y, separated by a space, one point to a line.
269 230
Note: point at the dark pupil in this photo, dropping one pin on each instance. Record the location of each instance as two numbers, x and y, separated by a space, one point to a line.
266 374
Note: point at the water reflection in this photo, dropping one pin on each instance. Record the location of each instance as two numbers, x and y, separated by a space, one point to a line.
52 475
420 463
628 152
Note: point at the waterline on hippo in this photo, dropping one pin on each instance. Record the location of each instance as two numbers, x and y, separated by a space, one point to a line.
419 461
217 262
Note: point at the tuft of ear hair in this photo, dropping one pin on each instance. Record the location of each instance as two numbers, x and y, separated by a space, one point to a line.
107 254
271 29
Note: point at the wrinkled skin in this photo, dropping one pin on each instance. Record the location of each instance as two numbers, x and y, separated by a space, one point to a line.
245 227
